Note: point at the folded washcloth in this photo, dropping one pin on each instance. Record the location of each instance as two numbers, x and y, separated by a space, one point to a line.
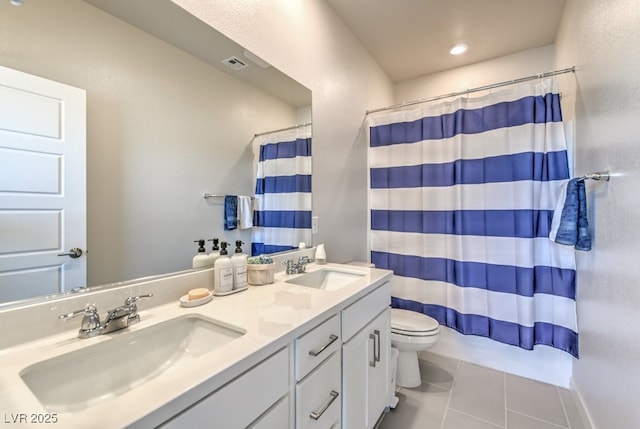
245 211
230 212
569 225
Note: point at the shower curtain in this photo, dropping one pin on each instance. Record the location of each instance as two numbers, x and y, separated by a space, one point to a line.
461 200
282 210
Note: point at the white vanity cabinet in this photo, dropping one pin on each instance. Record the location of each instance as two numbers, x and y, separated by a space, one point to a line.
338 378
306 358
365 359
258 399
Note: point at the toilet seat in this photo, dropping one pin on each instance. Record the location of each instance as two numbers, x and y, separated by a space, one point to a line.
413 324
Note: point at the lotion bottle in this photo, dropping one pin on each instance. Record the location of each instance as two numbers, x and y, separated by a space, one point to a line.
239 261
223 280
201 259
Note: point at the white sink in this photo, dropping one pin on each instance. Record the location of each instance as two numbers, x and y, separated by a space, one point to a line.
87 376
327 278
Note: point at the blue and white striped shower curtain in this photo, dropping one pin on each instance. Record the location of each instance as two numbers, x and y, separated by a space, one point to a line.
462 196
282 210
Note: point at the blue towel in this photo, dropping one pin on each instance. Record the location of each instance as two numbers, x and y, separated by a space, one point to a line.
584 239
230 212
569 225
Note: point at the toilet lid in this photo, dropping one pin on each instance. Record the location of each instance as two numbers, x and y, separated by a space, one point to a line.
412 322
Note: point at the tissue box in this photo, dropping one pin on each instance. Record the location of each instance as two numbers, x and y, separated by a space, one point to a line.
260 274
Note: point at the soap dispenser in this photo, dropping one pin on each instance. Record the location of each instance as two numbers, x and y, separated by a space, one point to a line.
215 250
239 261
223 280
201 259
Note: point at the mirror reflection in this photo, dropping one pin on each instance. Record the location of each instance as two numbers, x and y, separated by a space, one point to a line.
167 121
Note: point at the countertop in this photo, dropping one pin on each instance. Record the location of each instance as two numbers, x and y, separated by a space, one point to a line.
272 316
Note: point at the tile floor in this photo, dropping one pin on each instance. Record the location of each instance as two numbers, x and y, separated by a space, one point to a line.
460 395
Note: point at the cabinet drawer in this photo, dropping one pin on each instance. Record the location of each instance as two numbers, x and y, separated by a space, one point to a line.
361 312
316 345
243 399
318 396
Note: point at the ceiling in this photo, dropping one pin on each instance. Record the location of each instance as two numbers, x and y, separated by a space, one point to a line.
407 38
412 38
172 24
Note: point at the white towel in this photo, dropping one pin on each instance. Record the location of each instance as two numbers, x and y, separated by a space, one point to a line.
245 212
557 212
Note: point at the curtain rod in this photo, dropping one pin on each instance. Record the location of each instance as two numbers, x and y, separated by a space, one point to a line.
480 88
282 129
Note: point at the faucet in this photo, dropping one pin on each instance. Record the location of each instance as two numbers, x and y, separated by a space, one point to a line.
299 267
119 318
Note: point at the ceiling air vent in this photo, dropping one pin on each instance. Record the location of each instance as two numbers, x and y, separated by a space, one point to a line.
235 63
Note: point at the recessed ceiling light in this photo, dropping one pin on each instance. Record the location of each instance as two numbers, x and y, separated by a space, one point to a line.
458 49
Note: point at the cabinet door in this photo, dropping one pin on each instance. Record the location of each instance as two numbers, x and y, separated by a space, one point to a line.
354 380
378 375
276 417
365 364
241 401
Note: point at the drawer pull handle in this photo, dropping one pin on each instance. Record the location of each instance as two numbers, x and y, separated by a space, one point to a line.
376 351
332 339
315 415
372 363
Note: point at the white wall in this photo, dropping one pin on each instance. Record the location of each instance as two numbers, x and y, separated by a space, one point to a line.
163 128
601 37
307 41
543 363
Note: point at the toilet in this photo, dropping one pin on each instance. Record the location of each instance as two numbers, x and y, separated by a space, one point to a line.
411 332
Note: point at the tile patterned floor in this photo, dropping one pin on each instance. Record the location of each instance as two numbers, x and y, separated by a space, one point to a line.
460 395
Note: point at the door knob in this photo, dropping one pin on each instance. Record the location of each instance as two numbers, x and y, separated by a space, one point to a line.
74 253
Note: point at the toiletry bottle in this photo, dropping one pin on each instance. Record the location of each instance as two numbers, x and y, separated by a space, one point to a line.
215 251
223 280
239 261
201 259
321 255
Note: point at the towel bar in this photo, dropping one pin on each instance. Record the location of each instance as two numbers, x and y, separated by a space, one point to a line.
599 175
207 195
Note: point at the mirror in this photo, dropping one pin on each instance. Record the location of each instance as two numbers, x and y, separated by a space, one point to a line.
167 122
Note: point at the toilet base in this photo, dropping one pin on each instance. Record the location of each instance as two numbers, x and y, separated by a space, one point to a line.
408 370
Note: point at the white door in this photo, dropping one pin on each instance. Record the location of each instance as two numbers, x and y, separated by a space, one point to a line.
42 186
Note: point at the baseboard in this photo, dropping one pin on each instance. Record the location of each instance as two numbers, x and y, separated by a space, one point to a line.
378 422
584 412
